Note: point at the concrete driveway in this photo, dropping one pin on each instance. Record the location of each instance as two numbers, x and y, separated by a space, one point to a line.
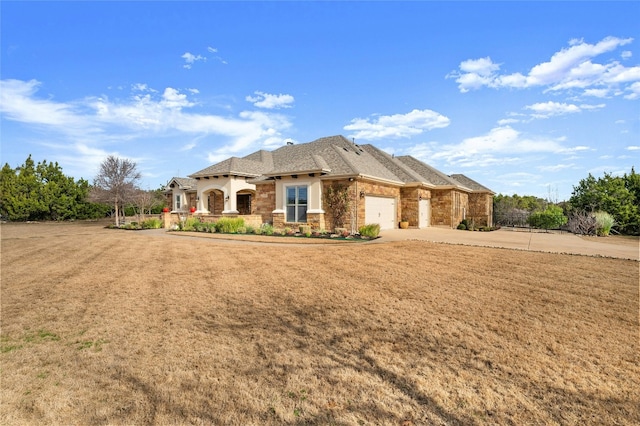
551 242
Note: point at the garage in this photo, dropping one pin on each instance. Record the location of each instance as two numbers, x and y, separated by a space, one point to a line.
381 210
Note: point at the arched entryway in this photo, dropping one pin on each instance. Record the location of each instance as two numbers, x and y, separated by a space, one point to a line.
245 202
214 201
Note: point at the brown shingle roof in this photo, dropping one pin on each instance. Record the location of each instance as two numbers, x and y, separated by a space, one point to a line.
428 173
337 156
470 183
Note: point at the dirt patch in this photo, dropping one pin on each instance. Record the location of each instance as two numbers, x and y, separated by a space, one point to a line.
109 327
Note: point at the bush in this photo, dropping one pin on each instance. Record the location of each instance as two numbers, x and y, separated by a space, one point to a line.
190 224
371 230
550 218
604 223
267 229
229 225
462 226
153 223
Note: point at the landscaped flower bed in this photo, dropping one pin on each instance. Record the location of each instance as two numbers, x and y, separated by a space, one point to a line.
237 226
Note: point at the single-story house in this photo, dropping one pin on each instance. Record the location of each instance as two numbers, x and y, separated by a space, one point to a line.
289 186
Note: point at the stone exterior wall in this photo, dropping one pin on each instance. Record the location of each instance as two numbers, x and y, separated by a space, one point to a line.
481 209
410 203
264 202
448 207
441 206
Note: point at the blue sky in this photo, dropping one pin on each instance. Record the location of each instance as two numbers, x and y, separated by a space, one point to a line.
525 98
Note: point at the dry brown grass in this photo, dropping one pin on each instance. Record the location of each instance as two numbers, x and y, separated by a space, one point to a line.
113 327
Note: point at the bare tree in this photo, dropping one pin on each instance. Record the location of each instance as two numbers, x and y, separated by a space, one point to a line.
146 200
115 183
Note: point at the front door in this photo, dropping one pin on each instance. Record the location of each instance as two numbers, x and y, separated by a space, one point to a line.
244 203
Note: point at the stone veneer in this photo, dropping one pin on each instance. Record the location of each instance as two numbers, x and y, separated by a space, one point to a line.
265 201
410 203
481 209
448 207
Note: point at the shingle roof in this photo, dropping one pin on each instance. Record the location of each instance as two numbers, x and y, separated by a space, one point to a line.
336 156
428 173
391 163
470 183
184 183
234 166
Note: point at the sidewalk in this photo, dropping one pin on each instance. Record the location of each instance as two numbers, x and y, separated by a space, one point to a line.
520 240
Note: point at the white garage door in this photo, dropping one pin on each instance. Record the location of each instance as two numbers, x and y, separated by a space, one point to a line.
424 207
380 210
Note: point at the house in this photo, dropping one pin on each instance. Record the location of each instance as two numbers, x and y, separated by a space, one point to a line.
288 187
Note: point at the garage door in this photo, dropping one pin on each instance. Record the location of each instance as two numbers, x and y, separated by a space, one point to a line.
380 210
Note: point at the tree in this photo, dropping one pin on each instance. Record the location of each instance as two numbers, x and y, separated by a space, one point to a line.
616 195
514 210
43 192
115 183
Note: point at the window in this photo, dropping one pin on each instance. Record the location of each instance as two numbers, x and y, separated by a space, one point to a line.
296 203
177 202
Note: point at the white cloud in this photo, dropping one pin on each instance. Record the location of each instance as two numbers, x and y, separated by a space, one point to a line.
269 101
506 121
172 98
18 103
596 93
635 91
212 49
190 59
633 148
549 109
556 168
501 145
397 125
570 68
626 54
100 121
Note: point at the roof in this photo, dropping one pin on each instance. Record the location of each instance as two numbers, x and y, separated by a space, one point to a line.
428 173
470 183
252 165
183 183
336 156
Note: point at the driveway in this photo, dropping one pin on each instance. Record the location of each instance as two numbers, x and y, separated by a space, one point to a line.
618 247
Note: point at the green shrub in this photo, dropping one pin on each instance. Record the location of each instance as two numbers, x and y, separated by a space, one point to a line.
152 223
371 230
462 226
229 225
190 224
242 230
267 229
550 218
604 223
